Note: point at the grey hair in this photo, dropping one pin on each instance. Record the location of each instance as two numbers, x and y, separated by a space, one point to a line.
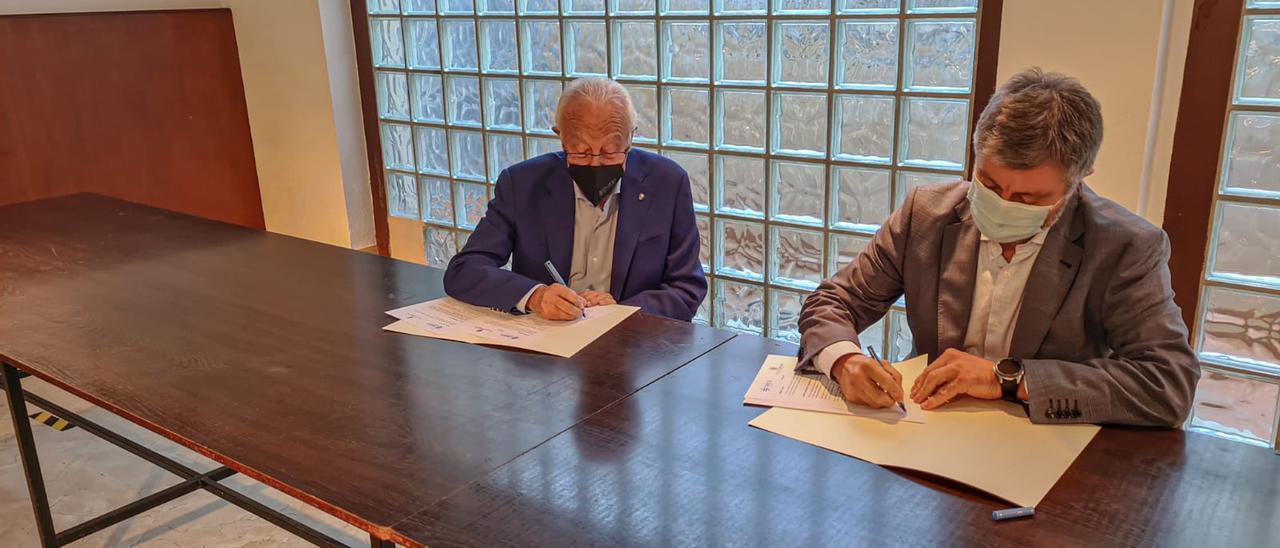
600 92
1039 117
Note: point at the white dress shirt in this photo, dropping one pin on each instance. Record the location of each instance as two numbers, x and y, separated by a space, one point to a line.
594 233
997 300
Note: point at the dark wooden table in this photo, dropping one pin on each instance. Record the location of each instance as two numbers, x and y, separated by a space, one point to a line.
676 465
265 353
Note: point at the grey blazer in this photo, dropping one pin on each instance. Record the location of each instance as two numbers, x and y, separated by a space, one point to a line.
1098 326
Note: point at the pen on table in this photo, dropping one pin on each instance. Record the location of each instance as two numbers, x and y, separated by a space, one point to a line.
872 351
555 275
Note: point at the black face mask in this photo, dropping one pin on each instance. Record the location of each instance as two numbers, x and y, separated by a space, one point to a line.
595 182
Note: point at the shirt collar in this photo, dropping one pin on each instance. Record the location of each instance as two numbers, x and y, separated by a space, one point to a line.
617 189
1038 239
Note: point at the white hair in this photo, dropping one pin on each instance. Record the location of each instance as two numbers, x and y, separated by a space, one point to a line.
599 92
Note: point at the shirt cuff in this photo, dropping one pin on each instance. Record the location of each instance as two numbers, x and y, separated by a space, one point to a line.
523 306
828 357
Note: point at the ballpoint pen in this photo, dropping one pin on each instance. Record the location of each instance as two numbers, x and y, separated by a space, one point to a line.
871 350
555 275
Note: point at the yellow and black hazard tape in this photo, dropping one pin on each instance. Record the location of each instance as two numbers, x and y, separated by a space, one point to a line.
52 421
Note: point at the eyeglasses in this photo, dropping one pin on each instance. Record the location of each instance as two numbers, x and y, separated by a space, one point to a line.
606 157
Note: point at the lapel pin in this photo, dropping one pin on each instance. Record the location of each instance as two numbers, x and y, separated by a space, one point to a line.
642 196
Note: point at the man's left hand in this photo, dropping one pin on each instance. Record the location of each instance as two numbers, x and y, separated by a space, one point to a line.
598 298
954 374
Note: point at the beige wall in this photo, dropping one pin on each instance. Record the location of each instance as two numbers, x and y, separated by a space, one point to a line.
298 62
1129 53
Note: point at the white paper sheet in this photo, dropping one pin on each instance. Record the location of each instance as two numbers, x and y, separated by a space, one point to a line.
987 444
450 319
778 385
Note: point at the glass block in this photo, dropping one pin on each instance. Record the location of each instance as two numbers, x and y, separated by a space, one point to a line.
397 147
466 153
632 7
741 51
800 53
424 46
418 7
635 50
539 7
645 100
802 7
784 314
540 47
1262 4
684 7
740 249
459 45
740 186
941 55
1240 328
704 242
377 7
1252 166
437 202
428 98
496 7
796 191
863 129
457 7
440 246
859 198
740 307
504 152
908 180
433 150
741 7
586 46
1235 407
502 104
464 100
867 54
740 120
540 98
942 6
934 133
584 7
686 52
901 343
470 201
843 250
864 7
800 124
402 195
696 166
684 119
796 257
393 95
1246 244
703 315
387 42
873 336
498 48
537 146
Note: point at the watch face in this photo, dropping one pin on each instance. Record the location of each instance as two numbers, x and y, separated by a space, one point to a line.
1009 367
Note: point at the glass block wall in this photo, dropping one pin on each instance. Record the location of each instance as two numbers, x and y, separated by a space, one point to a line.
802 123
1238 331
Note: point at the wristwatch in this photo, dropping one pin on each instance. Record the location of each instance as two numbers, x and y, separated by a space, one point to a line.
1009 373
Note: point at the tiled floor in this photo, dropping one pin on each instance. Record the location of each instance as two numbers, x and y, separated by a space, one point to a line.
86 476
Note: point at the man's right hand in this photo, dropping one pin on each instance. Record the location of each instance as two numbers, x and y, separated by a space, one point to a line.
862 381
556 302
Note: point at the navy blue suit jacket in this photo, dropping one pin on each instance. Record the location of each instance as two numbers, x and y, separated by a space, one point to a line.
531 218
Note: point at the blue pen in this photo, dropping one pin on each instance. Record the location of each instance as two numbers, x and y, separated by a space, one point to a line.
555 275
872 350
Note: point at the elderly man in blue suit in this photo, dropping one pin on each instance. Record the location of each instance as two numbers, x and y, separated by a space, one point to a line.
617 220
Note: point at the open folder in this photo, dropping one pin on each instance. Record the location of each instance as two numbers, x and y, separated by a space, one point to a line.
454 320
987 444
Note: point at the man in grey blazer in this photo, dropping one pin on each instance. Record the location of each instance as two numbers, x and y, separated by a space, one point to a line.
1023 285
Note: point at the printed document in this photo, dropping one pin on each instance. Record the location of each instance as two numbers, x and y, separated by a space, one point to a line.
778 385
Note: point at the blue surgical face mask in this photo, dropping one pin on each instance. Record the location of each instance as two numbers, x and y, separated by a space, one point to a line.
1002 220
